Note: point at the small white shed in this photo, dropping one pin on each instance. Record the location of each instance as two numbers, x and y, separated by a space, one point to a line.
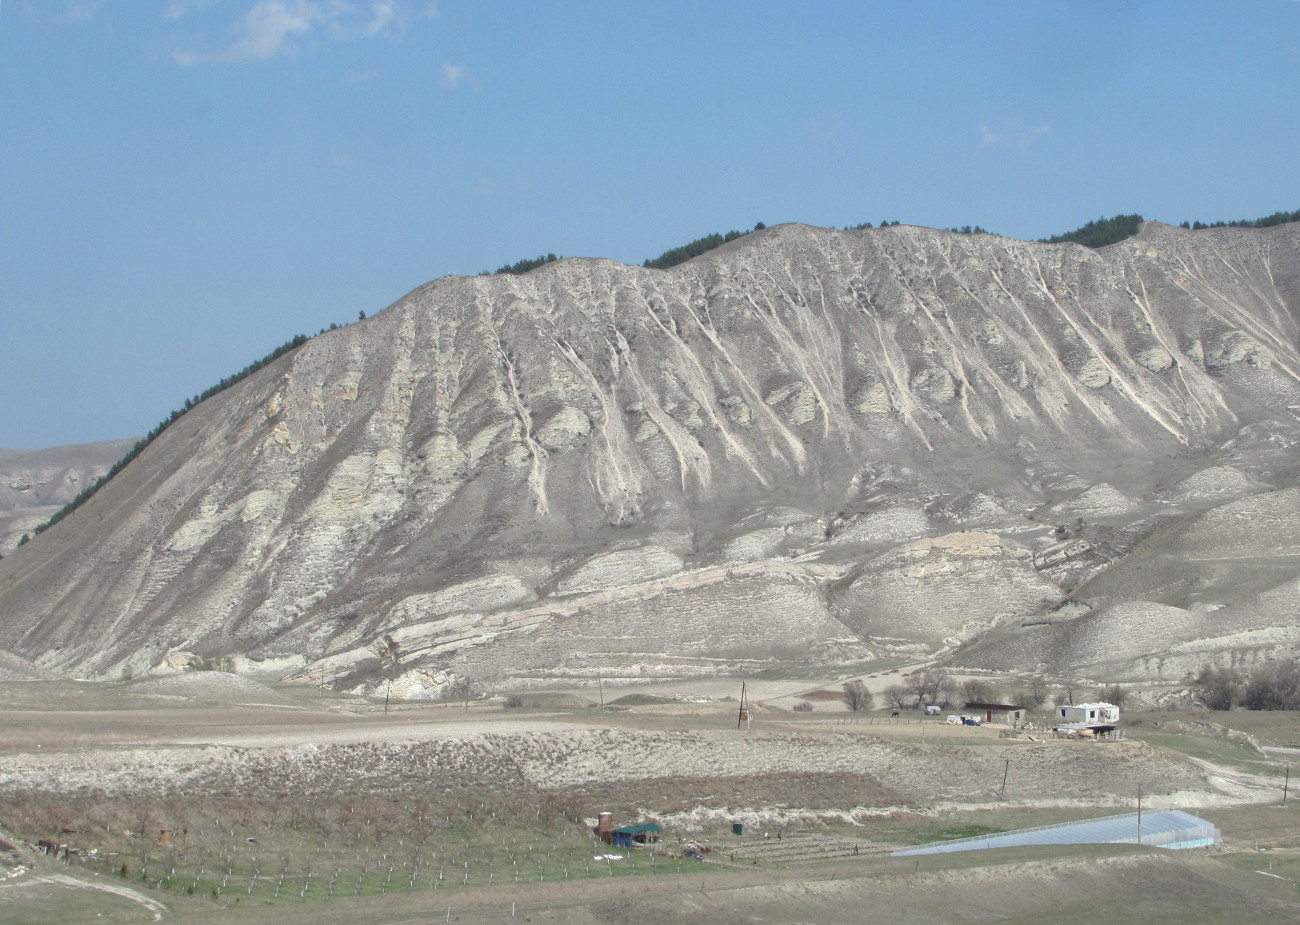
1106 714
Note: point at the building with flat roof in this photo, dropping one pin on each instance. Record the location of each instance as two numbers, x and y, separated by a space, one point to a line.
1007 713
1100 713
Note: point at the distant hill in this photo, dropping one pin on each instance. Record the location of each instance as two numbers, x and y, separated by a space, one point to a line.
34 484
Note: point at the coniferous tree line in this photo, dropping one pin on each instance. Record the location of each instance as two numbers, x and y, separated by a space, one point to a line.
676 255
1100 232
1268 221
1097 233
523 266
87 492
867 225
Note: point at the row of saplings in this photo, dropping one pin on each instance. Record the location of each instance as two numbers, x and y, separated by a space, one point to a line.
938 687
1273 686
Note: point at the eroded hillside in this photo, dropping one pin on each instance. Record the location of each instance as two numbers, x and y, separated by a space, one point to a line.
807 444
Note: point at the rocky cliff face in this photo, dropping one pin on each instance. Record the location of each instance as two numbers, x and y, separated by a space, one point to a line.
807 444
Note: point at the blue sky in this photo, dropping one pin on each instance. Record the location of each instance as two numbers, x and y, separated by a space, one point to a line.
186 184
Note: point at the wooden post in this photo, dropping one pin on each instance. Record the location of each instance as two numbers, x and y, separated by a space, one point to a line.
1005 771
1139 812
1286 782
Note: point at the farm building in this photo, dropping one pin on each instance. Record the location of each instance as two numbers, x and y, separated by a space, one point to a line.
1007 713
1101 714
628 835
641 834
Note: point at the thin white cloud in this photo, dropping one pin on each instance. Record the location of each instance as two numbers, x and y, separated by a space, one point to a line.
83 11
179 8
274 27
343 162
268 25
383 15
453 74
1020 139
988 138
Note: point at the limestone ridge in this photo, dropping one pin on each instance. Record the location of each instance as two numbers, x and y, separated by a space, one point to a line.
770 452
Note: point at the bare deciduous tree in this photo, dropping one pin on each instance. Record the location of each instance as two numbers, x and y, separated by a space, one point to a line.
897 695
930 686
389 652
1039 689
856 696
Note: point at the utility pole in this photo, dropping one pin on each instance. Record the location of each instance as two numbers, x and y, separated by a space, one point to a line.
1286 783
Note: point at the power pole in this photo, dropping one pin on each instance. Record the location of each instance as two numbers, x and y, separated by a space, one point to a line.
1139 812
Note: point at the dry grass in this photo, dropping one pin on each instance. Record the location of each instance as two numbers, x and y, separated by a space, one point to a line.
309 799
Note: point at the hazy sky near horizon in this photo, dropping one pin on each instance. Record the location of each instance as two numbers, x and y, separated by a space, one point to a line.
186 184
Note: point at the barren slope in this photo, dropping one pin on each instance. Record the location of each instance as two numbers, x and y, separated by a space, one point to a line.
769 452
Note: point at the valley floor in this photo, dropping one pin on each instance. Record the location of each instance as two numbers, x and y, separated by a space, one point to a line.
209 795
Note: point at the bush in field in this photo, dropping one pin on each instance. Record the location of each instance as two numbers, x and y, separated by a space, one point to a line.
1113 693
1220 688
1274 686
